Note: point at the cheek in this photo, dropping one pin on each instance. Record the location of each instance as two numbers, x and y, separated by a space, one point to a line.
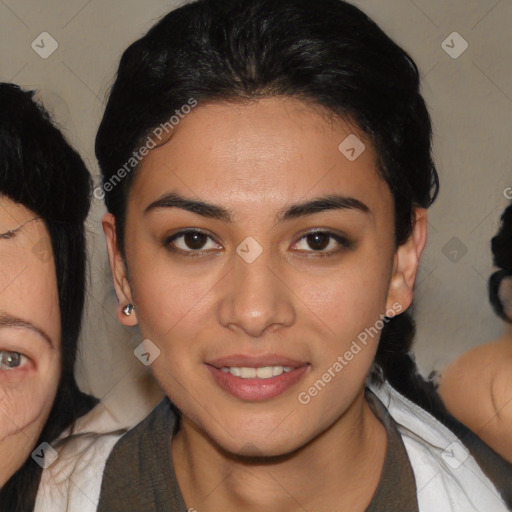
347 300
173 299
25 403
341 301
351 305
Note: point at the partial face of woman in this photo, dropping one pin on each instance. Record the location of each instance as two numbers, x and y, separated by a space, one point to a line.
255 298
29 333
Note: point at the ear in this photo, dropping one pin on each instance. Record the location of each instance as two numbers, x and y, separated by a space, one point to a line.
405 263
119 274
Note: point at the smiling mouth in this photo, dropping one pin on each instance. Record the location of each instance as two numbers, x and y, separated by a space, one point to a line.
250 381
262 372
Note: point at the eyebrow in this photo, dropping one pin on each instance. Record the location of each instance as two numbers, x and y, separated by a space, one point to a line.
212 211
7 320
12 232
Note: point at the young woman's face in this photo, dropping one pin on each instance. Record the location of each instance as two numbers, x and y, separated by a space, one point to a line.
249 312
29 333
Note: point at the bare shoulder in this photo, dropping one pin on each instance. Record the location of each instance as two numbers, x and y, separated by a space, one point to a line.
498 431
477 390
501 384
466 385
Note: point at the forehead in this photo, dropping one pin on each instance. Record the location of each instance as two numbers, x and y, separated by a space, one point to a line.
254 153
28 283
12 214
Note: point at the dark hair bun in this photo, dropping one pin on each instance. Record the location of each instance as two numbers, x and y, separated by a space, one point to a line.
501 246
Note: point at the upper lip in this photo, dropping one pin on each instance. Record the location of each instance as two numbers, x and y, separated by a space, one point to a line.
251 361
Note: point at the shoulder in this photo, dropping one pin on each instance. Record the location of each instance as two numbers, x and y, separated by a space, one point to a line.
138 473
152 430
73 480
466 385
498 432
446 472
501 381
477 389
142 445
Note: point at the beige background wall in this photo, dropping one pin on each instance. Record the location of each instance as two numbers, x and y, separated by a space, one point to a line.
470 99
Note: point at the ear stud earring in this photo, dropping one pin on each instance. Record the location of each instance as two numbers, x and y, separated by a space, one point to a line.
127 310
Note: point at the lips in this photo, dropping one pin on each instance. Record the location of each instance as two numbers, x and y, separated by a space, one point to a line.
256 378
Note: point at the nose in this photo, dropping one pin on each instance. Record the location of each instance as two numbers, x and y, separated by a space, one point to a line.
255 298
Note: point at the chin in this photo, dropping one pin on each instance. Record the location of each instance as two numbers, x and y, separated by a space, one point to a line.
258 451
255 445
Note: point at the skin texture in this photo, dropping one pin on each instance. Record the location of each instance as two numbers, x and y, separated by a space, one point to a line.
477 390
256 158
28 291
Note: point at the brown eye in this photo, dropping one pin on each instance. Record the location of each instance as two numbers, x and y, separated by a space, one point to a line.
194 240
190 241
319 241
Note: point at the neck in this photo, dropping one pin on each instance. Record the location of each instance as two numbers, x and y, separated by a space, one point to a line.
343 464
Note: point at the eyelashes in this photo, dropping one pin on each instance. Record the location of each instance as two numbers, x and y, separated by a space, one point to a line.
342 242
189 236
192 243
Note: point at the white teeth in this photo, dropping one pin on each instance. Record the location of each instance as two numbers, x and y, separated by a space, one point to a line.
263 372
277 370
235 371
247 373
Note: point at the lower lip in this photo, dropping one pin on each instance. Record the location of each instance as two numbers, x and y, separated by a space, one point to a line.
257 389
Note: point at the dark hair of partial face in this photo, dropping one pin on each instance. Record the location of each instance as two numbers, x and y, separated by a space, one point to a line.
501 246
40 170
325 52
